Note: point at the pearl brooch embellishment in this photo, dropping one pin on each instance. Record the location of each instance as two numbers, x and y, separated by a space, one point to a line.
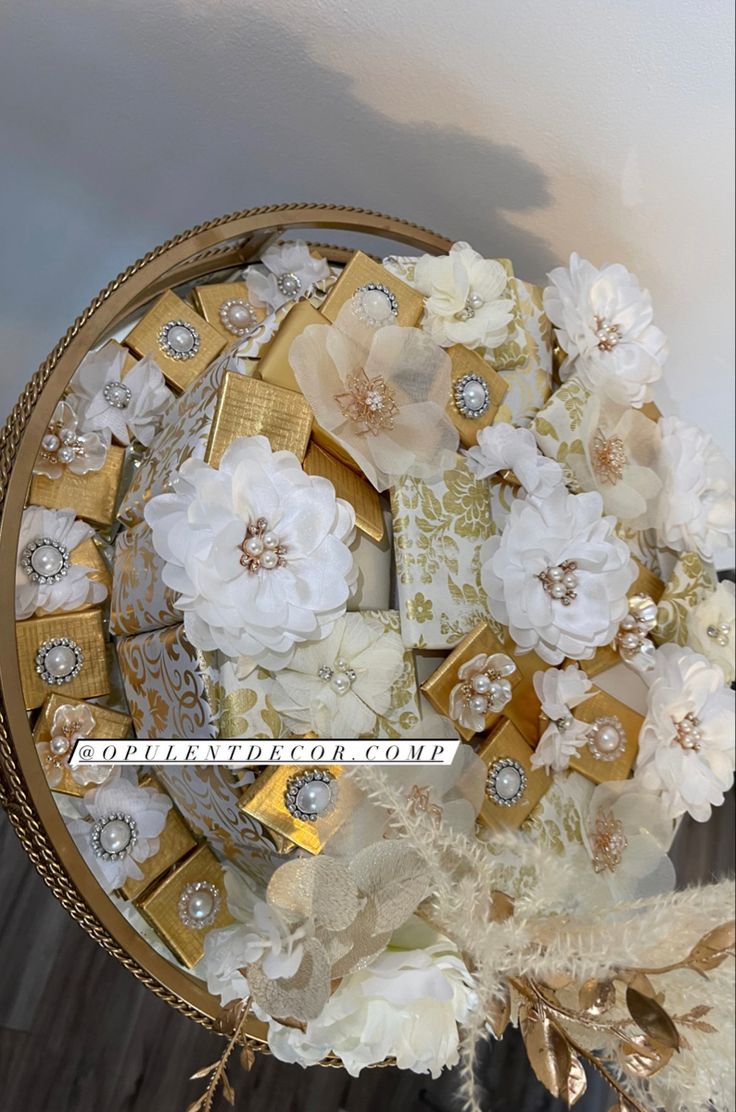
262 549
59 660
310 795
237 316
506 782
198 904
45 561
560 581
117 394
472 396
114 836
606 738
179 340
375 304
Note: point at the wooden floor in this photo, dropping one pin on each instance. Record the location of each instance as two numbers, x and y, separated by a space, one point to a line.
80 1034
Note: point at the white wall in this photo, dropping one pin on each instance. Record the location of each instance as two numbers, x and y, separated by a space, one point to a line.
530 128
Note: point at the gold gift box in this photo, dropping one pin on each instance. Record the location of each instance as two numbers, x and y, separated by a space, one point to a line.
92 496
439 686
164 686
602 705
209 300
467 362
82 627
112 346
360 271
507 742
264 800
174 843
144 340
108 724
140 599
646 583
351 486
161 906
248 407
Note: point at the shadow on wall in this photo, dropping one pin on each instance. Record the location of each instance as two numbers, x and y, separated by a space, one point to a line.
136 124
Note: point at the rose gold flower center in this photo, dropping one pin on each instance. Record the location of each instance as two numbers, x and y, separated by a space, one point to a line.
608 335
687 733
608 841
608 457
369 402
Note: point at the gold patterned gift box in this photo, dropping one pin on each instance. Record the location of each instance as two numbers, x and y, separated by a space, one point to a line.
107 724
65 653
178 338
93 495
140 599
274 799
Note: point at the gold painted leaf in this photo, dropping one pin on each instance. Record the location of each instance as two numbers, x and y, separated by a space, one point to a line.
713 948
550 1055
499 1013
653 1020
597 997
640 1057
227 1090
204 1072
247 1057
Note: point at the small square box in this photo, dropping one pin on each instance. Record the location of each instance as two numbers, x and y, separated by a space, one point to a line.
475 385
93 496
362 272
179 339
438 687
62 638
225 305
595 760
248 407
168 907
351 486
175 842
513 787
108 724
265 800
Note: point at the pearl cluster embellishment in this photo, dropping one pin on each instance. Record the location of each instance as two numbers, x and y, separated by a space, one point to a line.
117 394
721 634
609 457
560 581
632 639
59 660
375 304
262 549
114 836
608 842
506 782
608 335
237 316
340 678
310 795
61 445
607 738
687 732
199 904
472 396
45 560
289 284
473 302
179 340
487 691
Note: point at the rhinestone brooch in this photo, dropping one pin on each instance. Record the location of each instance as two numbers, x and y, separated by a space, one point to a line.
199 904
310 795
117 394
179 340
506 782
472 396
59 660
110 832
45 561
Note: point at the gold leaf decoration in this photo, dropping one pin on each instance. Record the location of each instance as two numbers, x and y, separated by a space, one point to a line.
640 1057
550 1055
713 948
651 1017
499 1013
597 997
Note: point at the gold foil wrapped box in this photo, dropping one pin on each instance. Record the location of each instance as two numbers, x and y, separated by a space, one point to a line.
108 724
93 495
363 274
64 653
249 407
174 843
601 759
513 787
267 801
227 307
178 338
140 600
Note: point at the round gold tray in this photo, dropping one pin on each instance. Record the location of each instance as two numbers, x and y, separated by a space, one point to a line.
227 242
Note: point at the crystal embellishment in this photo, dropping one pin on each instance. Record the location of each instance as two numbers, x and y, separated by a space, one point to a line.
472 396
237 316
179 340
687 733
117 394
262 550
199 904
369 402
608 842
375 304
608 335
560 582
45 561
114 836
59 660
608 456
506 782
607 738
290 285
310 795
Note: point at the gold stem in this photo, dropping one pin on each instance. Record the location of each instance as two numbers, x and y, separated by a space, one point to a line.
209 1095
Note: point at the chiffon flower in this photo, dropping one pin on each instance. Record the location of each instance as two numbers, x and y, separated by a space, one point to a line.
45 577
291 272
686 745
482 689
558 576
65 447
120 830
130 406
338 687
697 505
621 461
604 325
381 393
257 552
627 833
559 691
407 1004
502 447
711 628
464 302
71 723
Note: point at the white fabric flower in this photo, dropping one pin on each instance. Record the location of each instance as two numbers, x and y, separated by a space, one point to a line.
604 325
621 461
464 302
697 504
711 628
256 551
381 393
122 406
38 564
559 691
265 938
502 447
406 1004
292 271
71 722
551 550
135 837
627 833
64 447
482 689
686 745
338 686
